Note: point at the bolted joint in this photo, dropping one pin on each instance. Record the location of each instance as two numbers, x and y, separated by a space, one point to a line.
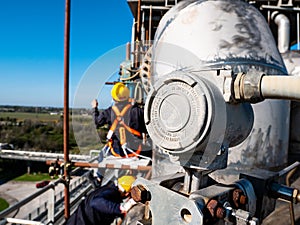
140 194
238 198
215 209
247 87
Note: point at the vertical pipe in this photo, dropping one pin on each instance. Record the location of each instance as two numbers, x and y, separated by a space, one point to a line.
138 19
150 23
288 183
187 181
195 184
128 51
132 41
269 14
66 106
136 54
51 206
137 36
283 24
298 31
143 28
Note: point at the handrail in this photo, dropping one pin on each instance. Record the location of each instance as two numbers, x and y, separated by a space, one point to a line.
43 154
53 216
19 204
20 221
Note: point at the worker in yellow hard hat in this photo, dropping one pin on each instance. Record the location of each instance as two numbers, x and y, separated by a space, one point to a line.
125 183
120 92
105 204
127 130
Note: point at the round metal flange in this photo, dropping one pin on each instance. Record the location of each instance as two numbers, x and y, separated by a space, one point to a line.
178 112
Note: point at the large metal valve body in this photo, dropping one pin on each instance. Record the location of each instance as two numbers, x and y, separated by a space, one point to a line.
201 40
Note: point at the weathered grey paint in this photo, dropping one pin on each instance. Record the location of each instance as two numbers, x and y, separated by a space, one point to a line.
198 35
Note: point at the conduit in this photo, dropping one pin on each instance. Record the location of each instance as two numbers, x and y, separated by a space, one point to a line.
281 87
283 24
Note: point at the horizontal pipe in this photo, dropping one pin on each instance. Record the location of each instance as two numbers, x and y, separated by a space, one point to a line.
293 9
108 166
281 191
288 169
280 87
20 221
41 154
155 7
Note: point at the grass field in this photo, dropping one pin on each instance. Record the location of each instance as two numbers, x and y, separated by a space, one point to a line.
3 204
25 177
33 177
21 116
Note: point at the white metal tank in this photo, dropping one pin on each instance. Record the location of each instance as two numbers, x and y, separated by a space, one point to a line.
292 62
198 36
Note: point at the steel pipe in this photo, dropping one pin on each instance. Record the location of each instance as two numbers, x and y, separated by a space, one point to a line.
255 87
272 7
280 87
283 24
20 221
108 166
66 104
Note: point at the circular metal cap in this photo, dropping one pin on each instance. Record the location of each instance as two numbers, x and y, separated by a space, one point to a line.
178 112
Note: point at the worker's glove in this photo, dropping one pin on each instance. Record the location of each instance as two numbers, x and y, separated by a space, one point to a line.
127 205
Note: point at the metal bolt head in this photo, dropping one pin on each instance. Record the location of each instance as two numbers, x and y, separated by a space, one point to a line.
140 194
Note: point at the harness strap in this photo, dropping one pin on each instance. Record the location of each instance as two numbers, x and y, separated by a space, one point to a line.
131 130
122 133
119 120
136 153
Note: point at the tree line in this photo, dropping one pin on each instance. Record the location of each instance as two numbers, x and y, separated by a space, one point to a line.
47 136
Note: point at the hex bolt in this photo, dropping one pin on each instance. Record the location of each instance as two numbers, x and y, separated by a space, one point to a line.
239 198
215 210
140 194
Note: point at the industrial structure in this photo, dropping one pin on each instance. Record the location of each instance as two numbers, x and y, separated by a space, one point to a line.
219 81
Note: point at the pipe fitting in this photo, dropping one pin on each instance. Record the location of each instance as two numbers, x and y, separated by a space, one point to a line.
247 87
255 86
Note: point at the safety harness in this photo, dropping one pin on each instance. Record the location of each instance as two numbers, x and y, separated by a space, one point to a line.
119 122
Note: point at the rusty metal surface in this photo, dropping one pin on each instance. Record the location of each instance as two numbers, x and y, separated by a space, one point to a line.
66 105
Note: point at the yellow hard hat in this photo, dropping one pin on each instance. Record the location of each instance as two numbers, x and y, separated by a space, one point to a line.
120 92
125 182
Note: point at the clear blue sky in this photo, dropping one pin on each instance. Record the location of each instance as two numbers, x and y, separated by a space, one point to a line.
32 48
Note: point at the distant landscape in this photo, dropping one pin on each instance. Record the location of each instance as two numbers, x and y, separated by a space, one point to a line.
41 129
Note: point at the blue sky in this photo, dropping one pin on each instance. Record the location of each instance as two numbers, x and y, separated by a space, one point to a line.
32 48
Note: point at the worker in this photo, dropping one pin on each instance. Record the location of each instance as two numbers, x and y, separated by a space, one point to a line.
51 170
105 204
127 131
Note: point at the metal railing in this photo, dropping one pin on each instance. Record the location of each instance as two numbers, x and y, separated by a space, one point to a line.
39 156
51 210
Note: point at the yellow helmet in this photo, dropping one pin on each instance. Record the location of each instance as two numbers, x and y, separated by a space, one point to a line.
125 182
120 92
